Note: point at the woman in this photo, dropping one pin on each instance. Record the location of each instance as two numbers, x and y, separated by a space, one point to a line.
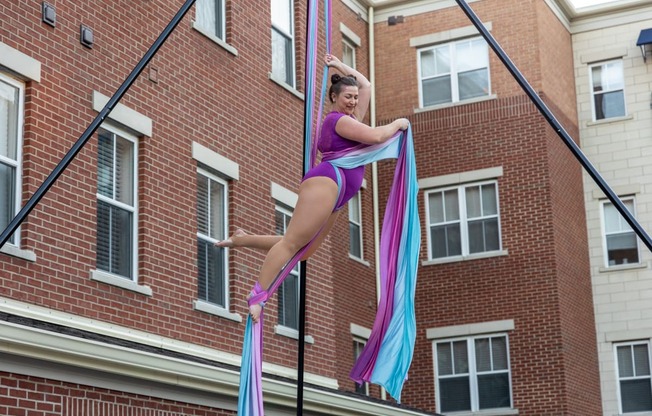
316 210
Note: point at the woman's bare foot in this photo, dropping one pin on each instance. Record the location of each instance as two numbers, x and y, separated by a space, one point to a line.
229 241
254 311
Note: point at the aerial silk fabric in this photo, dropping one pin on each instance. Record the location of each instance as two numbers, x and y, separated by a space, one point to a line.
394 330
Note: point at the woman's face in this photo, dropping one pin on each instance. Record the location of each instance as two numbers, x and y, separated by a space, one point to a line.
346 100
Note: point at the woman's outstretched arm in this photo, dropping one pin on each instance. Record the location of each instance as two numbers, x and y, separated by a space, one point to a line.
364 86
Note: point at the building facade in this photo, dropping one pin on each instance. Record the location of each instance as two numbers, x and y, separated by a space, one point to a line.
114 299
613 82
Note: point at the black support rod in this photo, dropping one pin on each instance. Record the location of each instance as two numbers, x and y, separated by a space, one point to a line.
563 134
95 124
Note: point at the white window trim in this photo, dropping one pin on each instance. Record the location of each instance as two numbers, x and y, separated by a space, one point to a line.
225 225
230 170
287 86
603 232
592 93
361 334
618 393
455 99
463 225
103 275
470 345
136 124
292 37
9 247
219 40
23 65
350 35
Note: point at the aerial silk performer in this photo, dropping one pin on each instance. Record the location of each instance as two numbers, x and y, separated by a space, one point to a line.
394 330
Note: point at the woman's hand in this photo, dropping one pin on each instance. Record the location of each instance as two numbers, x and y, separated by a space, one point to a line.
331 60
403 123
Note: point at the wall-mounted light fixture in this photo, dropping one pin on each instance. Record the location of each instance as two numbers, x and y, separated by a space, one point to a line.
86 36
392 20
48 14
644 39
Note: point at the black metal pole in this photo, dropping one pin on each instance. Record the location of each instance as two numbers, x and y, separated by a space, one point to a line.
95 124
563 134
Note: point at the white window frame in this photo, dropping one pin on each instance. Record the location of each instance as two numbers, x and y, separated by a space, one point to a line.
291 36
220 17
133 209
225 226
356 198
454 73
463 220
593 93
17 164
618 370
472 370
622 221
348 44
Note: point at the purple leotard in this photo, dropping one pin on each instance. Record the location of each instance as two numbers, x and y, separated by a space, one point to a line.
330 141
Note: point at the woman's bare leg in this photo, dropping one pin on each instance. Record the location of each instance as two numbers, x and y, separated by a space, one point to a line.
317 197
242 239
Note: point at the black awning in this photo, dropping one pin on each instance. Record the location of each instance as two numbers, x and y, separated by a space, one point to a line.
644 38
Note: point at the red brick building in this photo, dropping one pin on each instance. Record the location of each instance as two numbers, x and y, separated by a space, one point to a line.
112 299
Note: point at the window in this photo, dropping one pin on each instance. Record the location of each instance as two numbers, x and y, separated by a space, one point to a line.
116 203
288 292
453 72
358 345
211 16
463 220
473 374
283 41
620 243
11 136
634 382
355 226
211 221
607 88
348 53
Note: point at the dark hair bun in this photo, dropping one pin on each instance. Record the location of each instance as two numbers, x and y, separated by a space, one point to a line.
335 78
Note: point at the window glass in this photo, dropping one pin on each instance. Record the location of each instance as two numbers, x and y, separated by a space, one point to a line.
355 226
116 204
463 220
620 241
462 387
608 90
11 93
210 15
635 386
454 72
288 292
211 222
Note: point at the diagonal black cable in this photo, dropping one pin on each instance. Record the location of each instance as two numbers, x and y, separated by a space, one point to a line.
559 129
95 124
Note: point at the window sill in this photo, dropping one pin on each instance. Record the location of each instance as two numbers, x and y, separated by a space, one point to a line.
18 252
233 51
621 267
609 120
488 412
455 104
122 282
359 260
287 86
498 253
203 306
284 331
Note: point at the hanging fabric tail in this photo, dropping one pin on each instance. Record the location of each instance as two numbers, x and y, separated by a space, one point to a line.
394 330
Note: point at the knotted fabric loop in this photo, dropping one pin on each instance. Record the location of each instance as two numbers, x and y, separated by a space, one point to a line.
258 295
